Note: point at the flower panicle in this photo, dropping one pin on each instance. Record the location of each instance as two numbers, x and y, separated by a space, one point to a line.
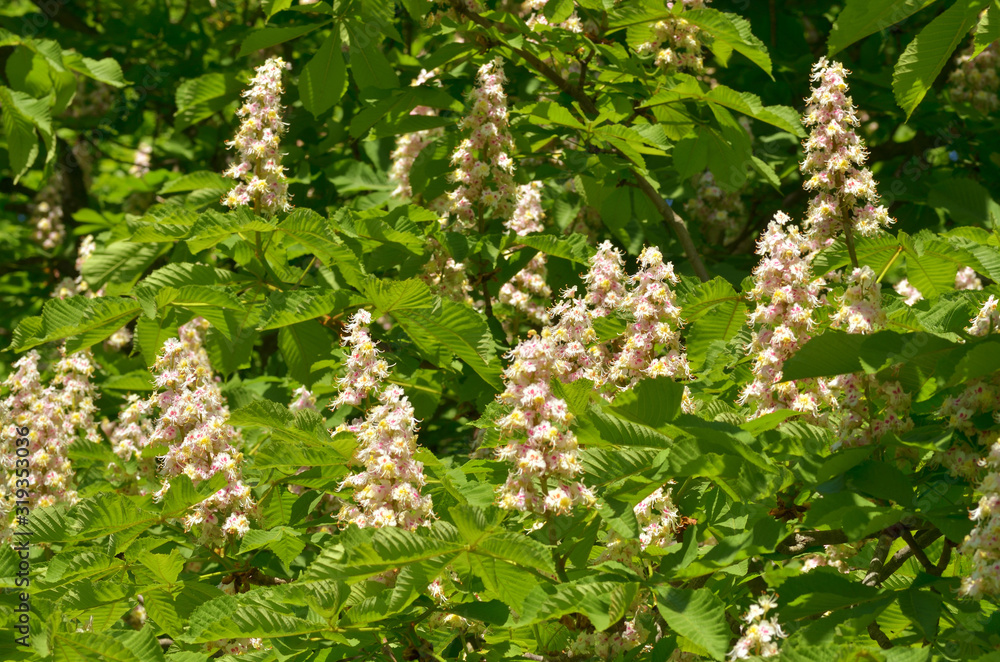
845 190
261 181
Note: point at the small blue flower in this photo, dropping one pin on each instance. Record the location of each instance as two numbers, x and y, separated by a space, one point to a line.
953 155
670 201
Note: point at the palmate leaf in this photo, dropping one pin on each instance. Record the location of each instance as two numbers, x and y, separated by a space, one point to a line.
875 252
458 329
601 427
861 18
930 50
369 66
653 402
106 70
988 29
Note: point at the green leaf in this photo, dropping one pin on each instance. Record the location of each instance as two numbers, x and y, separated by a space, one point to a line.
107 70
324 79
307 303
861 18
930 50
456 328
369 66
714 312
202 179
201 97
966 201
89 320
730 32
213 227
21 114
987 30
269 36
90 647
573 247
652 402
118 265
612 429
697 615
746 103
301 345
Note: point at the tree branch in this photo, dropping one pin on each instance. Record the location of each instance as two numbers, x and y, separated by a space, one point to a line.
879 637
586 103
874 576
919 552
922 539
676 224
800 541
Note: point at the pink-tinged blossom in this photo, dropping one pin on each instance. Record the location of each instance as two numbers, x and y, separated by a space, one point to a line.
304 399
541 447
966 278
409 145
56 415
786 295
911 295
527 292
192 421
658 519
365 370
719 214
118 340
651 345
859 308
608 644
444 276
761 634
484 167
676 43
534 9
859 311
982 545
49 228
261 182
835 162
987 320
606 280
141 160
975 79
528 215
386 492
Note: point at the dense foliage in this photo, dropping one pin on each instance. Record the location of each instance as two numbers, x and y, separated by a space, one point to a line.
469 330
